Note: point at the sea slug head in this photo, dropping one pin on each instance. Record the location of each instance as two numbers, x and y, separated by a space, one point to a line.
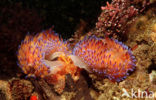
64 65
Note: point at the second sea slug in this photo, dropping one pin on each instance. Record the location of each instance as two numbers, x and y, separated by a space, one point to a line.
105 57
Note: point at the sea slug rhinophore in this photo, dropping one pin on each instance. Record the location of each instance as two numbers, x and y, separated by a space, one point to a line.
105 57
46 56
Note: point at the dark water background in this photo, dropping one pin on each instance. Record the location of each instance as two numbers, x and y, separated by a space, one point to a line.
20 17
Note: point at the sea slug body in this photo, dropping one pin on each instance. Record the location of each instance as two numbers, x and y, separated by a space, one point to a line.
46 56
105 57
34 50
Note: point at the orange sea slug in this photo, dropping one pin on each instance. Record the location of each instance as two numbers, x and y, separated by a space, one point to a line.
46 56
106 57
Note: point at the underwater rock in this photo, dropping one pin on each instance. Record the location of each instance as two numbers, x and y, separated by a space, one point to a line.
20 89
45 91
5 90
152 77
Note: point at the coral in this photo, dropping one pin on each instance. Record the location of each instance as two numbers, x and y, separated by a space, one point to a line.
107 57
115 17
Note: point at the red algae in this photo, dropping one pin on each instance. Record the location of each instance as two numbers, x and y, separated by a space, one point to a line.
117 16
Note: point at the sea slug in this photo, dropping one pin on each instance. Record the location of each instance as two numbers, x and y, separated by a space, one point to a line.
105 57
46 56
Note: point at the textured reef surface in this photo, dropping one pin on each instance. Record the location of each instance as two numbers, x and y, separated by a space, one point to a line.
115 60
